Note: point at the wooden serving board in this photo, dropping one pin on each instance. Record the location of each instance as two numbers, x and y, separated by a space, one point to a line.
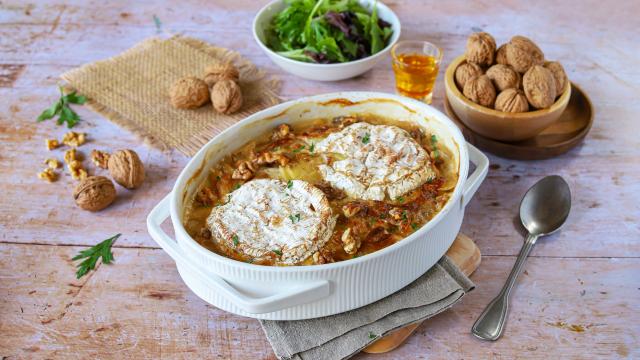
464 253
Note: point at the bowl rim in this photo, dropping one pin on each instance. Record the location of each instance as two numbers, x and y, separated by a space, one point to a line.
394 39
187 172
453 88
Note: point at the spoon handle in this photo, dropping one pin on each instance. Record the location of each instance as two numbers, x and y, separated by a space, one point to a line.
491 322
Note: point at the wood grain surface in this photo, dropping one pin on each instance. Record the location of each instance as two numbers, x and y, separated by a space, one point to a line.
578 298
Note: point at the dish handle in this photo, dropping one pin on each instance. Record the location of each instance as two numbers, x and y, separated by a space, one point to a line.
474 180
288 298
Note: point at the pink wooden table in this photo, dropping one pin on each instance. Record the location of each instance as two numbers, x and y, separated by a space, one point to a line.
578 298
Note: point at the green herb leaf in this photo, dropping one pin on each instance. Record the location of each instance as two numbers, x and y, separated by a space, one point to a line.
366 138
93 254
289 184
236 187
299 149
277 252
372 335
295 218
235 240
312 148
158 24
434 139
376 33
414 226
400 199
61 109
404 215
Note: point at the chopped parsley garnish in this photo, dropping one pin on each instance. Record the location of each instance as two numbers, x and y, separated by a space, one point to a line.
277 252
312 147
299 149
404 215
289 184
355 256
218 178
372 335
366 138
400 199
295 218
434 141
414 226
93 254
236 187
235 240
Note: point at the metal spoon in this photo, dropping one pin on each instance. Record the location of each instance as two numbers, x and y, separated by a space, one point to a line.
543 210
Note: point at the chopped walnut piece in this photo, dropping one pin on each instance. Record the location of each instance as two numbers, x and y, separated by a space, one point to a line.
204 233
79 174
206 196
270 158
244 171
52 163
377 234
396 215
70 155
331 192
351 209
322 257
350 243
52 144
283 131
74 139
100 158
48 174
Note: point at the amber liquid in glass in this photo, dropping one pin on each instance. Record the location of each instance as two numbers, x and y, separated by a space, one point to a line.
415 75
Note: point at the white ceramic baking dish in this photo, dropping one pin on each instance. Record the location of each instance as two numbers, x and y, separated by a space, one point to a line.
301 292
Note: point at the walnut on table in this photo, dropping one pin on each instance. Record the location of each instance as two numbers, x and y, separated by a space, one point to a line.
100 158
48 175
74 139
52 163
52 144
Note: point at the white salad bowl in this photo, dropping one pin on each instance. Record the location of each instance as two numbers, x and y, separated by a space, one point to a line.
323 72
301 292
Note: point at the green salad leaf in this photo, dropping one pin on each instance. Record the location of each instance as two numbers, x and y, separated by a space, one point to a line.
327 31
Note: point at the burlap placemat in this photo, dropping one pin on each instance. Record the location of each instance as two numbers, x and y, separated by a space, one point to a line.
131 89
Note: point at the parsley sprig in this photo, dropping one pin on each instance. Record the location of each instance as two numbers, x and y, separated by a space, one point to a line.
92 254
61 109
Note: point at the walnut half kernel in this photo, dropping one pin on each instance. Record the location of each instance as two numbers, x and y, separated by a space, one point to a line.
74 139
48 175
100 158
350 242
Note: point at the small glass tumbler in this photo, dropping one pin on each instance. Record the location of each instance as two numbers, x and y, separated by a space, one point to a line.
416 65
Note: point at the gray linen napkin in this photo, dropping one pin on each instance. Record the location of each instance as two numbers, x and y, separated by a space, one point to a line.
343 335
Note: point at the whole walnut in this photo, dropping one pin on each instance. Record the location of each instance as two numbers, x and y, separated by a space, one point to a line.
465 72
501 55
226 96
539 87
219 71
481 48
126 168
512 101
480 90
94 193
523 53
503 77
558 74
189 93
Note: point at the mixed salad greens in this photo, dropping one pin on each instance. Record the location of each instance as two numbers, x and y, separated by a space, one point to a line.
327 31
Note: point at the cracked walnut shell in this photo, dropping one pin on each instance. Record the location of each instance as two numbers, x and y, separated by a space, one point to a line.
94 193
480 90
220 71
126 168
558 74
539 87
481 48
465 72
523 53
503 77
512 101
226 96
189 93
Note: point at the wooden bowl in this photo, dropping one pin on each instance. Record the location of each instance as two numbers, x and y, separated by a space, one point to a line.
496 124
